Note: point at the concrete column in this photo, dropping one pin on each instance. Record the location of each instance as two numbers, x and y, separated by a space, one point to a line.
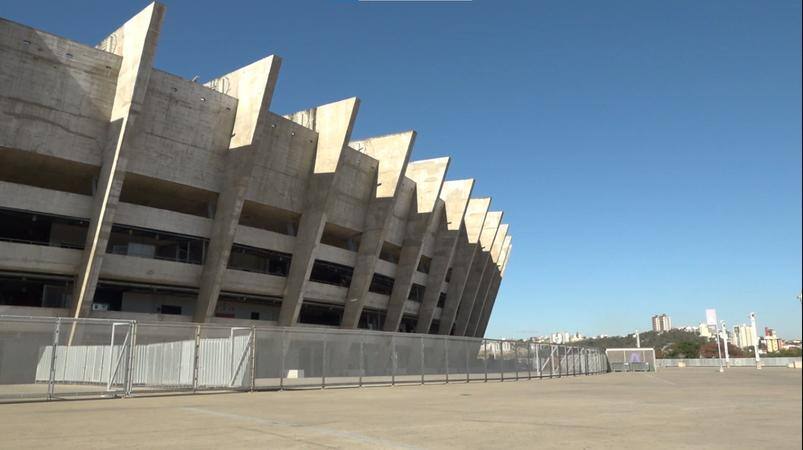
491 299
455 195
491 272
475 277
465 253
428 176
393 153
253 86
136 43
333 123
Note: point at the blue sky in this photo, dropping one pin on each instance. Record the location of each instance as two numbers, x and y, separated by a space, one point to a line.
647 154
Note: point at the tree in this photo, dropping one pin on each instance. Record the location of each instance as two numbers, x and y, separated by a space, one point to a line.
684 349
709 350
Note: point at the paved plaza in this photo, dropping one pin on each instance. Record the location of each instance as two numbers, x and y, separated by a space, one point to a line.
674 408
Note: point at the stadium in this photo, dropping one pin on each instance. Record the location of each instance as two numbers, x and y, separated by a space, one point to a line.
130 193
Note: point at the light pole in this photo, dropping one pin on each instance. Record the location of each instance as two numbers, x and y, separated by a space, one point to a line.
755 339
638 340
719 350
725 344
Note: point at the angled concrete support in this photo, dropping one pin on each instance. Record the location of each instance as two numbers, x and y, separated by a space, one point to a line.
136 43
478 272
393 153
455 195
490 300
253 86
467 249
491 273
422 223
333 123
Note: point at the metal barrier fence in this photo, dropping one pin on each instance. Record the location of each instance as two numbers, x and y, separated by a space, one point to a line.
51 358
734 362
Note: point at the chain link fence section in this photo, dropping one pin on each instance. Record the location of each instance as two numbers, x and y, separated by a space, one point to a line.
53 358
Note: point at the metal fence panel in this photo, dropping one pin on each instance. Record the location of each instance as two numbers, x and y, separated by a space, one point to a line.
303 358
164 357
269 352
494 359
409 358
378 360
25 345
435 358
91 358
343 359
52 358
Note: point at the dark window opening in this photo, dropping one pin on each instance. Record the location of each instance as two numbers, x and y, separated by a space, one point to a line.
448 275
331 273
340 237
433 327
390 253
252 259
163 194
143 243
372 320
316 314
47 172
143 298
42 229
408 324
441 299
170 309
416 293
258 215
44 292
244 306
424 263
381 284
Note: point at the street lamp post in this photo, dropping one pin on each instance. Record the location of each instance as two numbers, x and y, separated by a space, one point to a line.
725 344
755 339
719 350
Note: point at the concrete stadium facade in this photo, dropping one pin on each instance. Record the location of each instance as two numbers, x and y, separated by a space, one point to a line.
129 192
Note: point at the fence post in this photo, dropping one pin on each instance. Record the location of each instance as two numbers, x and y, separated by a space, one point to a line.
52 375
393 360
362 356
588 369
538 361
253 357
515 346
323 363
283 355
502 364
446 357
422 359
485 358
468 363
529 361
132 345
196 358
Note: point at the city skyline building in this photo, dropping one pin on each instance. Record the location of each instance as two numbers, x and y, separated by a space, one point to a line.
661 323
743 336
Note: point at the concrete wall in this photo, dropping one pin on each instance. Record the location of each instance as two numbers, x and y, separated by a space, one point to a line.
734 362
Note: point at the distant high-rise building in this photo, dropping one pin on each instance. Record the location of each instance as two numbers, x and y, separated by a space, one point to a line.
771 341
705 331
661 323
743 336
